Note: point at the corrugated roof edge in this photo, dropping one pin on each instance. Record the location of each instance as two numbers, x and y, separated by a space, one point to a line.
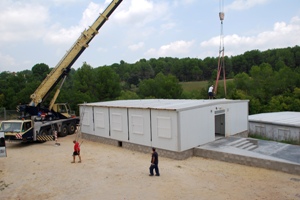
284 118
163 104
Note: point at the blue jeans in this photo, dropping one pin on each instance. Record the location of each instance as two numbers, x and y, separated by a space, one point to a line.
154 166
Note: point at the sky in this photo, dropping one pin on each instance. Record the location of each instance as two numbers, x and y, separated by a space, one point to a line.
35 31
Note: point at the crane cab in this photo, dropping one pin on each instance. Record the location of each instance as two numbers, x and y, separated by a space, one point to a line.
64 109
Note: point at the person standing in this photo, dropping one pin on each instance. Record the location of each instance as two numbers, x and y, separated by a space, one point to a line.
154 163
76 151
211 92
55 137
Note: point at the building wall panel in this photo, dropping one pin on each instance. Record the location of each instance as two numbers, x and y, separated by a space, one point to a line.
86 116
236 118
275 132
119 124
164 129
139 126
196 127
101 121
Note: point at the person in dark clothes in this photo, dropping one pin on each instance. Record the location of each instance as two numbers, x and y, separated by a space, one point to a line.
154 163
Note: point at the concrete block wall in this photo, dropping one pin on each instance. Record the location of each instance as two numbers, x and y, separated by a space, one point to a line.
103 140
140 148
243 134
249 161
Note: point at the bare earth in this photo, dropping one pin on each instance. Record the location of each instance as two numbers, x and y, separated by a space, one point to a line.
44 171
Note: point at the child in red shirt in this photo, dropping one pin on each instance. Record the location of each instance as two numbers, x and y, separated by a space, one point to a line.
76 151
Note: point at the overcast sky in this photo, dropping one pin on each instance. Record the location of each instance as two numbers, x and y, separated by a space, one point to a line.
41 31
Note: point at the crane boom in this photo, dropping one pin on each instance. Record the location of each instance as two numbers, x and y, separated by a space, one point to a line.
39 123
65 64
221 65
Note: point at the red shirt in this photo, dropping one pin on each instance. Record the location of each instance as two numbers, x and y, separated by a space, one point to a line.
76 146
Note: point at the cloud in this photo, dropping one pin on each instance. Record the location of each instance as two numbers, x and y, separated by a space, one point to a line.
141 12
59 35
282 35
244 4
167 26
136 47
177 3
6 60
21 21
177 48
61 2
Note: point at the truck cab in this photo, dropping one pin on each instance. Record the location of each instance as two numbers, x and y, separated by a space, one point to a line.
17 129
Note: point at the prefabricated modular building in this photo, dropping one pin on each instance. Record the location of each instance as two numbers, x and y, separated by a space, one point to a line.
278 126
167 124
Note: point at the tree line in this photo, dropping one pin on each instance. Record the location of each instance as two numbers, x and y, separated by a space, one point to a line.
269 79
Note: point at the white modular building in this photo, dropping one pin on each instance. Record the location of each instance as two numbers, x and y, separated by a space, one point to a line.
174 125
278 126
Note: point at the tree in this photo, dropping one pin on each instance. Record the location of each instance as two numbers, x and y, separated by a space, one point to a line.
262 79
166 87
242 82
107 84
285 81
2 100
40 71
146 70
210 64
84 79
239 64
128 95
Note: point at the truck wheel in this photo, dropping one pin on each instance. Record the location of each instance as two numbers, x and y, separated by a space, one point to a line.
43 132
71 128
64 131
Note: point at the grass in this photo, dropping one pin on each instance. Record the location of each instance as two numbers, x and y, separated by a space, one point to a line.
194 85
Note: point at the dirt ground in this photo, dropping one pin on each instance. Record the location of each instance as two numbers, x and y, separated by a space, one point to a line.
44 171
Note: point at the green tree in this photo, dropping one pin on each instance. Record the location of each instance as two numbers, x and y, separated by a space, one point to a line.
84 87
262 86
40 71
107 84
128 95
285 81
242 81
2 100
166 87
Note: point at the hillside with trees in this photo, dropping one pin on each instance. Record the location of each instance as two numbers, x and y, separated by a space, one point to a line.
269 79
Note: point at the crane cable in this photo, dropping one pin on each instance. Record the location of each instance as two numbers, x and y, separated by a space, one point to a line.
78 135
221 65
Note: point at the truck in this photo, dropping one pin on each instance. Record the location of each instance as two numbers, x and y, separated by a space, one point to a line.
41 123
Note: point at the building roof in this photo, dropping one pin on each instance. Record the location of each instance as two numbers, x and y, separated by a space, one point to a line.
279 118
162 104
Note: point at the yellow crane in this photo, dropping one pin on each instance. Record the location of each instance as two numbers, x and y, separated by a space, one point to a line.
39 123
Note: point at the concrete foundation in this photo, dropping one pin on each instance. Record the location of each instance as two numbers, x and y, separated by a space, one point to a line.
290 168
227 149
140 148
